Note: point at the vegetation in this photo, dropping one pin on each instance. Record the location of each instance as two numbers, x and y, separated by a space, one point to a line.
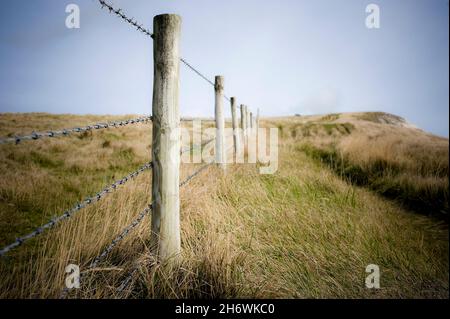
303 232
380 117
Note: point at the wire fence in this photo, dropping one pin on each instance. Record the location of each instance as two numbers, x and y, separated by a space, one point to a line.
95 262
127 280
69 213
132 22
121 14
67 132
114 186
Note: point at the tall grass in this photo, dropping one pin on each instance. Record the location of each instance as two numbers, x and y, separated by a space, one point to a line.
380 151
300 233
416 177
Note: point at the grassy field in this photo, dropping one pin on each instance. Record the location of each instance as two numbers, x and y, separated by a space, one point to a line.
380 151
308 231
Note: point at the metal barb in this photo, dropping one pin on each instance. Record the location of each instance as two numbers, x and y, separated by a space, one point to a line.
119 13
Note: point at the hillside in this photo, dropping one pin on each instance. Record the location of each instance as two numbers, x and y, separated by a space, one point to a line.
351 190
381 151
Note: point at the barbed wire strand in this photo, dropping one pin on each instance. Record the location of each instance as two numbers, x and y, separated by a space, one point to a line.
66 132
190 149
126 281
119 13
88 201
111 246
126 231
123 234
201 75
140 217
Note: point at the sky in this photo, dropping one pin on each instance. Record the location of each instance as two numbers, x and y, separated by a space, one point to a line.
284 57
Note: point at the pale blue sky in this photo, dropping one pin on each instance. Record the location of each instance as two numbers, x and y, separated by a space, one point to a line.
282 56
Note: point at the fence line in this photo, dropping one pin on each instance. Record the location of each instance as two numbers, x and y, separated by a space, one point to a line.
120 14
127 230
125 282
90 200
165 164
66 132
111 246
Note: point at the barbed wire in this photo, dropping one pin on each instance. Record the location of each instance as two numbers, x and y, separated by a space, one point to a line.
111 246
190 177
125 282
120 237
193 147
120 14
201 75
66 132
123 234
88 201
196 71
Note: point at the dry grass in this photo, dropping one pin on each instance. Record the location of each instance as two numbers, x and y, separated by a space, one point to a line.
383 152
300 233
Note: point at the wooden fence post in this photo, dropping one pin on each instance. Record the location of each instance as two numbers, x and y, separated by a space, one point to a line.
236 140
220 122
166 137
246 123
251 144
257 120
257 128
243 125
247 119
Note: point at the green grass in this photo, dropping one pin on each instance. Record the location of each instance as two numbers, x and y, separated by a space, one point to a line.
384 178
303 232
379 117
330 117
315 129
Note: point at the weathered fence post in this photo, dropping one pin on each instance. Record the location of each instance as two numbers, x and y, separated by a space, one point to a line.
243 125
220 122
246 124
166 137
257 120
235 123
251 140
257 128
247 120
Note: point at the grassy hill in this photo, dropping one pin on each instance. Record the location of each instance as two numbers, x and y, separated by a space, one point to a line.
381 151
351 190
